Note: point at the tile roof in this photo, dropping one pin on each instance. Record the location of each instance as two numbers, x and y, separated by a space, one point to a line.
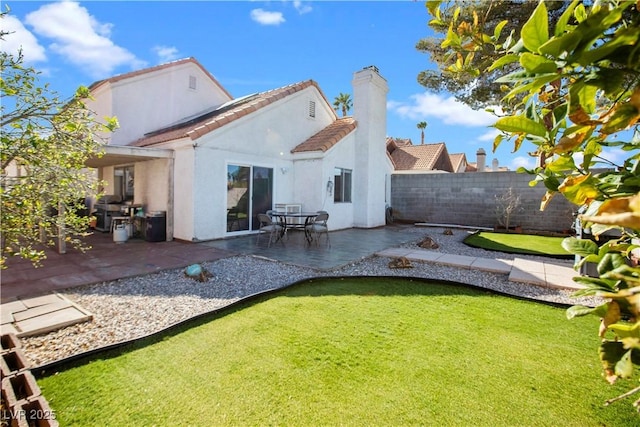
399 142
457 160
422 157
328 137
125 76
227 113
393 143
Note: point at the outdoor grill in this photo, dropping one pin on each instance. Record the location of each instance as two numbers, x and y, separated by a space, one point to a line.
106 208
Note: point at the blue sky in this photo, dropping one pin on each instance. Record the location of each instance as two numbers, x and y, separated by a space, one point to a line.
253 46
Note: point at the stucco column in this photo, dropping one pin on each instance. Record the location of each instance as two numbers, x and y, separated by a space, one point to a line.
371 165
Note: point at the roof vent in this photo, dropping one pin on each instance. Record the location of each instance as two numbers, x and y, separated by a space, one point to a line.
192 82
312 109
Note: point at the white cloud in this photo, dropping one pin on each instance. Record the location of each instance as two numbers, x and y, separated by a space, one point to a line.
614 155
522 161
447 109
80 38
301 8
21 38
609 157
265 17
489 135
166 53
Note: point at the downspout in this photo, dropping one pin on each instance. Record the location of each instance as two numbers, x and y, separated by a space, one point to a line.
170 198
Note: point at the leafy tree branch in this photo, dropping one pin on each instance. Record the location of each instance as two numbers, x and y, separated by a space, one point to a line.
44 145
571 84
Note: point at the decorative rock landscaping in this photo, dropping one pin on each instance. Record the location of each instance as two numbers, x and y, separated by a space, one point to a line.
132 308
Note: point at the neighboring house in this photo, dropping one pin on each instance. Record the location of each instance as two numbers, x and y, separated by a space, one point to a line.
423 157
480 164
410 158
459 162
213 162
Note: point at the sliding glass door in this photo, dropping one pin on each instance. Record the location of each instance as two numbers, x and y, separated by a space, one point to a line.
262 188
249 192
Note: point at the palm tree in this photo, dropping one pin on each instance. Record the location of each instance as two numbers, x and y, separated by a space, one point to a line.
422 126
343 101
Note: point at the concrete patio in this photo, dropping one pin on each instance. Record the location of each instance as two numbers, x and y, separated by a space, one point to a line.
547 274
31 303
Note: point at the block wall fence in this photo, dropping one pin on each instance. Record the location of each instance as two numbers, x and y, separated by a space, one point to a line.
470 199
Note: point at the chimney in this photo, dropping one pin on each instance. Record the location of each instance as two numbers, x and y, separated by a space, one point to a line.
370 112
494 165
481 156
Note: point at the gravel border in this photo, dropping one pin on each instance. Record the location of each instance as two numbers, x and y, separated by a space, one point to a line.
133 308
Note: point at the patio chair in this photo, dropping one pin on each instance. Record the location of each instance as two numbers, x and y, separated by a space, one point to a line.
318 227
267 226
233 222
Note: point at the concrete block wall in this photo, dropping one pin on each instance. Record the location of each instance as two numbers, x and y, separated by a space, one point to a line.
22 402
470 199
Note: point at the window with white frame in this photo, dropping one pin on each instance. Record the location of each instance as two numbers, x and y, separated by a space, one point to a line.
342 185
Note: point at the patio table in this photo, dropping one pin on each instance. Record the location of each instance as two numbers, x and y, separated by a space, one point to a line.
284 219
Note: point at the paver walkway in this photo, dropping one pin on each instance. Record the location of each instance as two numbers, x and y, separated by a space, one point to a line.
547 273
39 315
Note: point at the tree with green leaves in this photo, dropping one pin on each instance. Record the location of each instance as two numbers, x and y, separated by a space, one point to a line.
343 102
572 89
422 126
44 145
474 89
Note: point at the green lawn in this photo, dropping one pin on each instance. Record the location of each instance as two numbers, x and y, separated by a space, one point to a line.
383 352
518 243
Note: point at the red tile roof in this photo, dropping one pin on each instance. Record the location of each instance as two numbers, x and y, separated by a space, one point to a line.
219 117
393 143
422 157
328 137
457 160
125 76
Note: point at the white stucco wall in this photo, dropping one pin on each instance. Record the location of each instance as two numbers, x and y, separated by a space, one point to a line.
265 138
102 105
108 180
273 130
312 175
210 193
307 185
151 184
183 192
196 201
157 99
343 155
372 166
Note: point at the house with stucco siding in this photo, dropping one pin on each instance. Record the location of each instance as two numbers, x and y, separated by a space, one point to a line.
212 162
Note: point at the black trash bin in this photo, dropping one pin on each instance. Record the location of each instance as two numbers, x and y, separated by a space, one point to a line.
156 226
